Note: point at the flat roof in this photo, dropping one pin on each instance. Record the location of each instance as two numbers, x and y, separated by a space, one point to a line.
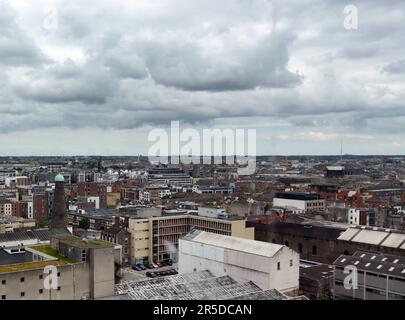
80 243
255 247
30 266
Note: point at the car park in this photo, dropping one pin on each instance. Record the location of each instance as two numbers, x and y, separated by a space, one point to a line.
141 266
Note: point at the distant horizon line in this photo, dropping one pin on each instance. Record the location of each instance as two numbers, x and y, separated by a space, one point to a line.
169 156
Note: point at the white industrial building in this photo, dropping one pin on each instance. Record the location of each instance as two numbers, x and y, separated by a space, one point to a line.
298 202
268 265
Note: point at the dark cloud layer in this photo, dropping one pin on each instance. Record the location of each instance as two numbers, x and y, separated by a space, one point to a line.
121 65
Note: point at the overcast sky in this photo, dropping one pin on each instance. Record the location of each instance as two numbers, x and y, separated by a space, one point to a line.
94 77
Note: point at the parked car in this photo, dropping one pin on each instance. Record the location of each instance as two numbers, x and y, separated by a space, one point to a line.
155 265
149 266
141 266
151 274
136 268
160 264
168 262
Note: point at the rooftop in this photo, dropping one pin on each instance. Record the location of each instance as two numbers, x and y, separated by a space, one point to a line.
30 265
194 286
81 243
234 243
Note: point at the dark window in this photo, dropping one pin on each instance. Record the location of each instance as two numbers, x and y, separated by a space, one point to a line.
3 281
22 294
22 279
314 250
41 277
58 288
286 243
278 266
58 274
291 263
3 297
300 247
41 291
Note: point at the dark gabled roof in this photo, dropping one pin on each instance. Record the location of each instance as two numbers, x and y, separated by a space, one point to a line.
40 234
304 230
373 263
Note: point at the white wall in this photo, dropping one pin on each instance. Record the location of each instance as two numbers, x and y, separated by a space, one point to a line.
95 200
285 203
241 266
353 216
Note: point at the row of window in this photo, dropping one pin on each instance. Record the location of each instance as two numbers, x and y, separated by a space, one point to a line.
300 247
22 294
22 279
279 264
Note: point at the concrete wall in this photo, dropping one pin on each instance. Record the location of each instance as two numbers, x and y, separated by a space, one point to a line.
242 266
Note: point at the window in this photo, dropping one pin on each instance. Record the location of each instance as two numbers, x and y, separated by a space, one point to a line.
300 247
58 288
291 262
22 294
41 291
286 243
278 266
58 274
22 279
3 281
314 250
3 297
41 277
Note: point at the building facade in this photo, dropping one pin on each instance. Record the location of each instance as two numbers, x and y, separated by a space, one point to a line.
270 266
156 238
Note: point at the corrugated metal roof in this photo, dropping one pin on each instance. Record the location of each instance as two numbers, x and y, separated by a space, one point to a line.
234 243
370 237
394 240
349 234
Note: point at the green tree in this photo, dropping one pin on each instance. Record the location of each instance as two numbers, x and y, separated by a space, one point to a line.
84 223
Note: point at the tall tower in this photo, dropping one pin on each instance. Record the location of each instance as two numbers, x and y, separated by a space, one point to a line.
58 220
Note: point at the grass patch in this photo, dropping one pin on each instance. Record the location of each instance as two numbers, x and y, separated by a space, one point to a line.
29 266
51 252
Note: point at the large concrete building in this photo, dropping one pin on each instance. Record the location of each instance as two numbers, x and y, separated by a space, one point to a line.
83 270
268 265
156 238
298 201
325 241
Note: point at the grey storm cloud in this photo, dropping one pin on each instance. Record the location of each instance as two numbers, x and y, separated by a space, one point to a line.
125 64
397 67
16 47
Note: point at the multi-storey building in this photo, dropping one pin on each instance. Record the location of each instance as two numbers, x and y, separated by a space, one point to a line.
79 270
156 238
299 202
170 176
